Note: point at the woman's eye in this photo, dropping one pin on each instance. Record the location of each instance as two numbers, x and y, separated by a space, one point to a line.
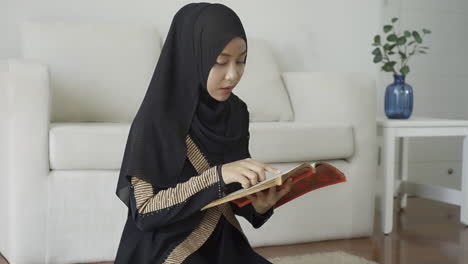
239 62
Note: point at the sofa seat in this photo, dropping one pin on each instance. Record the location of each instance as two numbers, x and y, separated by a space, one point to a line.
92 145
81 208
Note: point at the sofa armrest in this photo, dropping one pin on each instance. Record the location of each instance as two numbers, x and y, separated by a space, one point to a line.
348 97
331 96
28 114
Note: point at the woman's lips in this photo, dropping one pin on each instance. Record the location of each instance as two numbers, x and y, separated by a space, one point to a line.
226 90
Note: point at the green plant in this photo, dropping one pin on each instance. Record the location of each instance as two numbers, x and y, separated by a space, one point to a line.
403 42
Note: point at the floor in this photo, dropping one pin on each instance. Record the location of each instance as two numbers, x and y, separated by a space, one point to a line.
427 232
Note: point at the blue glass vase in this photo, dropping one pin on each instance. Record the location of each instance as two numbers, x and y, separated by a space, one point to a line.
398 98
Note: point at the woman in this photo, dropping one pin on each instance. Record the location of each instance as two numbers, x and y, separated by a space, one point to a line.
188 145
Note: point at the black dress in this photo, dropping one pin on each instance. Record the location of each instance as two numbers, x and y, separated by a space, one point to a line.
160 225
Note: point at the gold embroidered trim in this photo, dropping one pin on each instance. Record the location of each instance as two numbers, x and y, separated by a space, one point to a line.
228 213
148 202
211 218
196 238
196 157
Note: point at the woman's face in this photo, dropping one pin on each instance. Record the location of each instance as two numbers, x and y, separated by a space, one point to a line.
227 70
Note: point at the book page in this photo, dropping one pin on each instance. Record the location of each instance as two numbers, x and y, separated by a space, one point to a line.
269 178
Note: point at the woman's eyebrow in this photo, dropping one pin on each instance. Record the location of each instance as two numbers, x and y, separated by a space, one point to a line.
229 55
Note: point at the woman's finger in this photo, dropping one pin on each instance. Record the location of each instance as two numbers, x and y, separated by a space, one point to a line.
272 193
244 181
264 166
249 175
272 170
252 197
286 189
257 168
261 195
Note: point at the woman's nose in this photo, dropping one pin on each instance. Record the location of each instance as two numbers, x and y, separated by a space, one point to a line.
232 74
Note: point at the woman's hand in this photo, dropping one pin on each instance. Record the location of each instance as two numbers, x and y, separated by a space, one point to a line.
263 202
247 172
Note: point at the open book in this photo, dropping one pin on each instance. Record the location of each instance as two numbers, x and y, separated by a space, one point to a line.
306 177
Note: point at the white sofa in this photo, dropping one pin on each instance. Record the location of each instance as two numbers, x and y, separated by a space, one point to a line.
73 93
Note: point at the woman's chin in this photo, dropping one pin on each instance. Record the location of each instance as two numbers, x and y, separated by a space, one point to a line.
223 97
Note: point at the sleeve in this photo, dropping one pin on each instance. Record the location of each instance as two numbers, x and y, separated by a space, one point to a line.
152 208
249 213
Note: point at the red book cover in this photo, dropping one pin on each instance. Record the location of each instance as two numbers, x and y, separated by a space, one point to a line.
304 181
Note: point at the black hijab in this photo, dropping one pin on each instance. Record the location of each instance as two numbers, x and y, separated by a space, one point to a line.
177 102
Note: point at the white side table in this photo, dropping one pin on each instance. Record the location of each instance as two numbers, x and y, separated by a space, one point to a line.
391 129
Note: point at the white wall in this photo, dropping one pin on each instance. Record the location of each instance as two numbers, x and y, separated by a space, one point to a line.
306 35
4 179
439 80
5 237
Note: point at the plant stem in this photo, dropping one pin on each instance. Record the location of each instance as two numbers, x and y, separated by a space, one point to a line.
406 56
415 47
398 46
388 60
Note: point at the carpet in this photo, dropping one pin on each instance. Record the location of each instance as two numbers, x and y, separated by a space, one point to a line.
336 257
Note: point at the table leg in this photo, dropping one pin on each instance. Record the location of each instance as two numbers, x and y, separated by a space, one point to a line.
463 244
404 168
464 183
388 251
388 169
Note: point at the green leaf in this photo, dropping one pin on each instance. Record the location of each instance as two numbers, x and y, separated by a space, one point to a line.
402 55
387 28
377 58
388 67
392 37
417 37
411 42
377 39
388 46
391 53
422 51
394 19
426 31
407 34
401 40
405 70
376 51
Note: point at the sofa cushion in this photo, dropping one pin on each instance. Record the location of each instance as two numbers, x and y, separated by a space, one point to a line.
98 71
300 141
75 146
261 86
87 145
